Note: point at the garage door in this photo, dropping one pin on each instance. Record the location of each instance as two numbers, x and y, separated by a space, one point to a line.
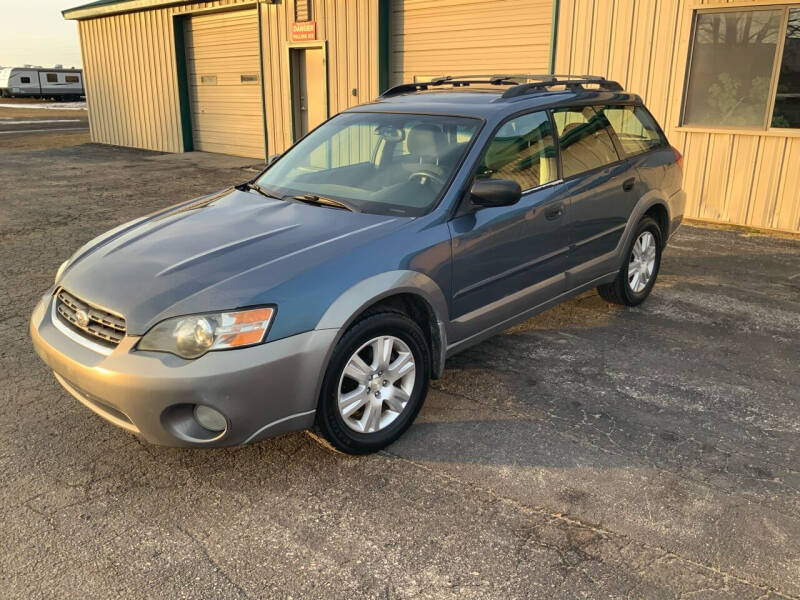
225 83
459 37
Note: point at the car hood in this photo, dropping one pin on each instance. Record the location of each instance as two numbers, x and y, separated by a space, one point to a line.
219 252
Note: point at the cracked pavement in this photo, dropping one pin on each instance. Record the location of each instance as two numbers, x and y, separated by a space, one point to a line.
592 451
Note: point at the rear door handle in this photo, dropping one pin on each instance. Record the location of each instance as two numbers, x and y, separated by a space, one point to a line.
627 185
554 212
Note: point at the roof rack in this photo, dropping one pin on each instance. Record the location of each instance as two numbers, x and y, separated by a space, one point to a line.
521 83
573 82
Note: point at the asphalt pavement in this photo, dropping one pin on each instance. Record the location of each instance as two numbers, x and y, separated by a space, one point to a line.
593 451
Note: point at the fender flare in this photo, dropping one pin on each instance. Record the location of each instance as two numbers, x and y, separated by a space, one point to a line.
355 300
645 203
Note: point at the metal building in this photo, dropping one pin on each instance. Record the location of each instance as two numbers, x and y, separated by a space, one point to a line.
248 77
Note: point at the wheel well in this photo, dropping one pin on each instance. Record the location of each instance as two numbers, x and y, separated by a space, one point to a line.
418 309
659 213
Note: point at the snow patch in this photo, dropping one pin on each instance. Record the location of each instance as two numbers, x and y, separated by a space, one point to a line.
48 105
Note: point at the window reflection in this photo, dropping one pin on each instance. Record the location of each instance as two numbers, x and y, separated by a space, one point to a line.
733 54
787 99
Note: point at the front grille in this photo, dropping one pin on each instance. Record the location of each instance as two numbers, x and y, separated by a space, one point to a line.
90 321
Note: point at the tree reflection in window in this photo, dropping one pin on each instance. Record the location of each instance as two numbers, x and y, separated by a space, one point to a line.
787 99
733 54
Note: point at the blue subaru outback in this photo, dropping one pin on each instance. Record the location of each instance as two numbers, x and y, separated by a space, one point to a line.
326 292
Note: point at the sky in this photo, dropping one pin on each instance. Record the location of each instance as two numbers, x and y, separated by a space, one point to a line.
34 32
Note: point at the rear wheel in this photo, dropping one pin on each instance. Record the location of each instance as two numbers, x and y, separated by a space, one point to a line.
638 274
375 384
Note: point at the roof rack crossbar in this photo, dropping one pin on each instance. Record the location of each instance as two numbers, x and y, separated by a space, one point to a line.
461 80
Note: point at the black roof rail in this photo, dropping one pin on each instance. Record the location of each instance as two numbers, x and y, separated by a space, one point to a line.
574 82
522 83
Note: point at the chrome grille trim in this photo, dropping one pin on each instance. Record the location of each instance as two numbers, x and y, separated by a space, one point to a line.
104 330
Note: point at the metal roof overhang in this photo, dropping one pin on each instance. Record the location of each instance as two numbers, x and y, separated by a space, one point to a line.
103 8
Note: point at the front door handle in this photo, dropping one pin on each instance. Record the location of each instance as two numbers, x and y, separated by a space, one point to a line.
554 212
627 185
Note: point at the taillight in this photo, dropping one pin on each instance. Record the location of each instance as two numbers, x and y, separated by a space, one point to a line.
678 157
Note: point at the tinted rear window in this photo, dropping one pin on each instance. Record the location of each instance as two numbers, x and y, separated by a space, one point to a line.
584 140
636 129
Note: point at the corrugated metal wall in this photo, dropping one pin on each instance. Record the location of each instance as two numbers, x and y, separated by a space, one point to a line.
131 73
131 77
224 75
460 37
737 177
351 30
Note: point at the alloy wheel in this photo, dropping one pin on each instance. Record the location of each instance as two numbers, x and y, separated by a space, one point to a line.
376 384
642 262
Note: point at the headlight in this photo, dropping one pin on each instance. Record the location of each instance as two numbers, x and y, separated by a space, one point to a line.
61 269
194 335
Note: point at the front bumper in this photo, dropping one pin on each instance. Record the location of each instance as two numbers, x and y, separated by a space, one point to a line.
263 391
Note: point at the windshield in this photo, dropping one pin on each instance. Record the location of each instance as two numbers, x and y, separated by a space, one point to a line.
385 163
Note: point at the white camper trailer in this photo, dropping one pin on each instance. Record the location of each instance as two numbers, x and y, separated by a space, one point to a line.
36 82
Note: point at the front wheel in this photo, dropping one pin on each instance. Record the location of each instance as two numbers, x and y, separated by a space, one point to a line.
375 384
638 274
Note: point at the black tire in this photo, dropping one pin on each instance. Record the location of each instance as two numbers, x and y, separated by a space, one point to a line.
619 290
329 421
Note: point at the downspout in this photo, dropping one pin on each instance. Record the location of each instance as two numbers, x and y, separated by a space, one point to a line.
183 84
554 35
263 83
384 14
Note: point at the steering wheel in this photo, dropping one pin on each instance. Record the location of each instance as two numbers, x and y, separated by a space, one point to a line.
425 175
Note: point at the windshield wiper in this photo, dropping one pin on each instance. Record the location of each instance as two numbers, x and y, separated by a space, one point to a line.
323 201
249 185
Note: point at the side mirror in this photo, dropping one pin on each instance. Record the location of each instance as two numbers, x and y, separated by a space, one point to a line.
273 158
495 192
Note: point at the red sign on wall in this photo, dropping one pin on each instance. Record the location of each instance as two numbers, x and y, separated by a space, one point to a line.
304 31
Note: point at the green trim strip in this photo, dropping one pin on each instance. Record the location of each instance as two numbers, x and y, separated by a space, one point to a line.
292 97
263 85
183 84
104 8
384 16
554 35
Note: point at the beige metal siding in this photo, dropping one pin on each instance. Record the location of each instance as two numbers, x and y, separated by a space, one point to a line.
737 177
131 77
131 73
459 37
350 30
221 49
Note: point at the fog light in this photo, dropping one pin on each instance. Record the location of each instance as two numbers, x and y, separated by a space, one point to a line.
211 419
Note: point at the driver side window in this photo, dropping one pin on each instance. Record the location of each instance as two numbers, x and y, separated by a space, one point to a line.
522 150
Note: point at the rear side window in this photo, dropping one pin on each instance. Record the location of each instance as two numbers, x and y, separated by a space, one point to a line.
584 138
71 79
636 129
522 150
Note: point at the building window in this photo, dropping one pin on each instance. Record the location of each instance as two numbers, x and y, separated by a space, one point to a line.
302 10
71 79
248 78
787 98
25 79
208 79
52 78
733 69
